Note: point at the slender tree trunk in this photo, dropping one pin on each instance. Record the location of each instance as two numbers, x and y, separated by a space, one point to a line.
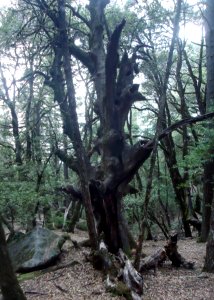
209 258
65 166
15 123
7 223
177 182
207 200
209 184
28 115
129 127
9 284
209 165
74 132
74 218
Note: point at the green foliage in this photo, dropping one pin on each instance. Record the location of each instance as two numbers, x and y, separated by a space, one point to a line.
199 153
18 194
18 200
9 24
133 207
82 225
56 220
28 276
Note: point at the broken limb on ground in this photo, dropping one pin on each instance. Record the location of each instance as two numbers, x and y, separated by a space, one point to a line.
81 281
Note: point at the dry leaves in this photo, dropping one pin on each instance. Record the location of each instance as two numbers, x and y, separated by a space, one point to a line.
174 284
81 281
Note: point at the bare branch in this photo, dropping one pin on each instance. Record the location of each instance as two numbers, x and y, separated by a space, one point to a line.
69 160
184 122
83 56
78 15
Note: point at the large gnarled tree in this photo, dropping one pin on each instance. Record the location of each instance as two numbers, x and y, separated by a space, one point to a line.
112 71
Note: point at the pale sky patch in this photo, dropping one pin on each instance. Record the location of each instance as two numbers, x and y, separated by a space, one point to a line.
5 3
191 32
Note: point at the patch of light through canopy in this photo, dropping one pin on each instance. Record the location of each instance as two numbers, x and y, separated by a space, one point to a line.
189 31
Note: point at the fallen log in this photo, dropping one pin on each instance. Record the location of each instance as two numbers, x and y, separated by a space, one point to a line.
153 261
170 251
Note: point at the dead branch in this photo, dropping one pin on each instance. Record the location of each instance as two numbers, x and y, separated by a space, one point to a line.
131 277
184 122
35 293
60 288
153 261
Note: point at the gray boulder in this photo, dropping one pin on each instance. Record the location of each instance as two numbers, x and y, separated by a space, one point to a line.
35 250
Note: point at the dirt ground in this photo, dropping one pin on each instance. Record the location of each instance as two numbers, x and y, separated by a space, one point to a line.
81 281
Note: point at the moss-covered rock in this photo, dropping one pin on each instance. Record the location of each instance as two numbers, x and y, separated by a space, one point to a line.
35 250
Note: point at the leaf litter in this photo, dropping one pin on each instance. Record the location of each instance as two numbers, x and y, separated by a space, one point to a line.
81 282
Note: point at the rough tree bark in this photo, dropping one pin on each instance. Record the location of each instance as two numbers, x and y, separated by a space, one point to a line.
209 258
207 199
9 284
209 167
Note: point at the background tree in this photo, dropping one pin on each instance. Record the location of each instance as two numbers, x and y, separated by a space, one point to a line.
209 165
209 170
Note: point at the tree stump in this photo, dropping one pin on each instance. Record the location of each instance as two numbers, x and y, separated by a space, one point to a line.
173 254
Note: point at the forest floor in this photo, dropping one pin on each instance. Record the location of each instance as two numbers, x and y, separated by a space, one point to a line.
81 281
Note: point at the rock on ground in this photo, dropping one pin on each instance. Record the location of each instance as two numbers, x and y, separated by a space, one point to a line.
34 250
